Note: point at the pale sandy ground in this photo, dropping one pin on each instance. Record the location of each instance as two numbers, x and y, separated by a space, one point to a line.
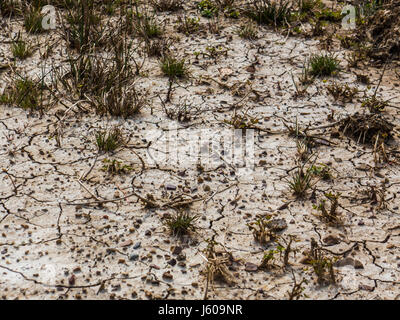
45 238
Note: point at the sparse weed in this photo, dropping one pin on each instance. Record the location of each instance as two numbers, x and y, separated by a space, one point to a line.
158 47
83 30
329 215
377 195
298 289
11 8
188 25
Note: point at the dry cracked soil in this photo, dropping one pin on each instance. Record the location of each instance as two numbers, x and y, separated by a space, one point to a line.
77 222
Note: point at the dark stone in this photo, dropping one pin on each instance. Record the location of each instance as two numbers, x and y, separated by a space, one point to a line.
277 225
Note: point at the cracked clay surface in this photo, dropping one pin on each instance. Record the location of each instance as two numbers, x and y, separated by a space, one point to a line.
70 230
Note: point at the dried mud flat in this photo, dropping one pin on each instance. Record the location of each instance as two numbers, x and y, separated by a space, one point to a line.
71 230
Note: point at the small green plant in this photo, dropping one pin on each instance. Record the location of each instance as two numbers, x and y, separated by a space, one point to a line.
322 265
324 65
329 215
109 140
298 289
329 15
207 8
21 49
269 257
181 223
115 167
322 171
275 13
374 104
173 67
261 232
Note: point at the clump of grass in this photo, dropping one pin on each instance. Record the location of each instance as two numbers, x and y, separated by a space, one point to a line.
147 26
181 223
248 31
167 5
119 101
300 182
83 30
10 8
109 140
21 49
173 67
33 21
324 65
25 93
267 12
